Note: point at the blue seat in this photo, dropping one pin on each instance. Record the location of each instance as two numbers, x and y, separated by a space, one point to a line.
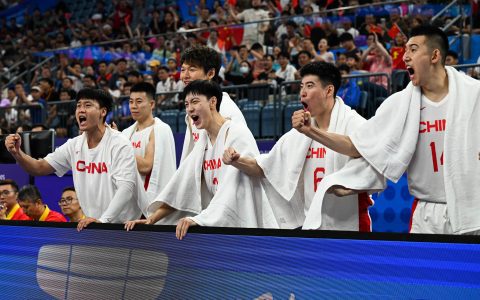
252 112
182 126
288 111
272 120
362 106
170 117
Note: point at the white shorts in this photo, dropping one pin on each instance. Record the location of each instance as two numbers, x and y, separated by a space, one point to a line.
432 217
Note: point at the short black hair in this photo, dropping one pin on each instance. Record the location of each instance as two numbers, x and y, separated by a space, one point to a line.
452 54
203 57
435 38
103 98
256 47
205 88
10 182
69 188
120 60
344 67
146 87
29 193
327 73
134 73
344 37
305 52
47 80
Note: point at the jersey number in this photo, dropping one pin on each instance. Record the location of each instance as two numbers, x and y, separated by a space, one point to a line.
434 157
316 178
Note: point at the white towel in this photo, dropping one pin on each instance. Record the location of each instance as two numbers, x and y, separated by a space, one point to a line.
228 109
388 142
283 167
239 200
164 161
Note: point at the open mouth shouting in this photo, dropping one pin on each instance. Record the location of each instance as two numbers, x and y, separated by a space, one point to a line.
82 120
195 119
305 106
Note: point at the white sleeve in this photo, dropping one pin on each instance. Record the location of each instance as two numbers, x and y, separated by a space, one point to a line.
61 159
123 195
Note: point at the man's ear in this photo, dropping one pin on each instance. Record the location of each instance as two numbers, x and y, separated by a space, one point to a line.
211 74
436 56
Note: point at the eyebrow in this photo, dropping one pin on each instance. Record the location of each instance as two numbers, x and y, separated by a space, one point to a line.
308 82
138 98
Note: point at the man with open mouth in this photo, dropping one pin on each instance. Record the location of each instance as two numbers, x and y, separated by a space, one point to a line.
430 130
206 191
203 63
102 163
297 164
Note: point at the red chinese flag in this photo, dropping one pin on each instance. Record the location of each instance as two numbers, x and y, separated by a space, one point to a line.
392 32
375 29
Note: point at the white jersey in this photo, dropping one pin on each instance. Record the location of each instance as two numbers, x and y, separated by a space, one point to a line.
140 141
212 161
228 109
425 173
98 173
313 171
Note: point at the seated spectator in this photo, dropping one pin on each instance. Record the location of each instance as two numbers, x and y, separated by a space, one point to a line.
323 53
349 90
347 42
9 207
245 77
70 206
173 69
89 81
48 89
380 62
346 24
286 71
397 50
30 201
134 77
166 84
37 114
451 58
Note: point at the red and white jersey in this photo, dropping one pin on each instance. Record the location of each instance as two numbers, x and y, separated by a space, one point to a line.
313 171
98 172
140 141
212 161
425 173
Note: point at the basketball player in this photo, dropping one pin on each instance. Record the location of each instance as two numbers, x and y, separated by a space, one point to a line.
297 163
101 159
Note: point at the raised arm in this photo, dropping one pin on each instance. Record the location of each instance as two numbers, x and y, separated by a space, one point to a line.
247 165
34 167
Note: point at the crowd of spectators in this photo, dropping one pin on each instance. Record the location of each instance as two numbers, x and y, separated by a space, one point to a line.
123 42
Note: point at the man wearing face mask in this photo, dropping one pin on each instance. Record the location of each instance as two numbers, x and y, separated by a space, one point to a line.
254 33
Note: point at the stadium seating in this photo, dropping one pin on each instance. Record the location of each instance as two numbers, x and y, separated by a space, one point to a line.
272 114
290 108
170 117
252 113
182 126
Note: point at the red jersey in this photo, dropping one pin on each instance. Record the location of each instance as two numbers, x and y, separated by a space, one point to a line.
17 214
52 216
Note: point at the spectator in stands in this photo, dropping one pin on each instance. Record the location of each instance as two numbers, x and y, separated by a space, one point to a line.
397 50
48 89
21 95
107 184
67 83
349 90
246 72
173 69
120 70
346 41
89 82
9 207
452 58
134 77
286 71
70 206
37 114
347 27
161 52
323 53
381 62
166 84
268 74
30 201
253 33
369 25
102 71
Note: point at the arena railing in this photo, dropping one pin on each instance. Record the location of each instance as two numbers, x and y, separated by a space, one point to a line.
31 113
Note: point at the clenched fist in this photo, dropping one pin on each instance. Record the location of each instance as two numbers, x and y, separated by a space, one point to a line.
13 143
230 156
301 121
